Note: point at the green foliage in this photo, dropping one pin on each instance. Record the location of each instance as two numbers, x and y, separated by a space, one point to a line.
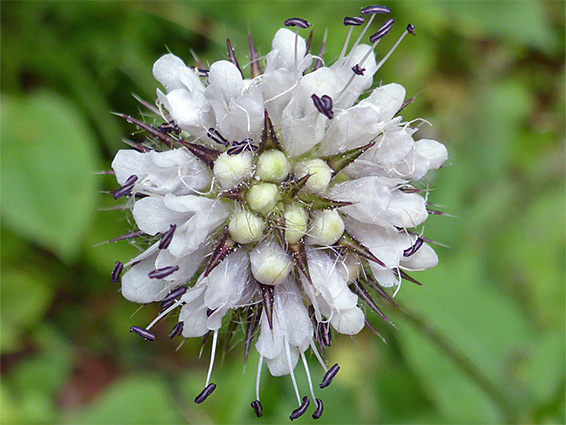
485 339
25 296
48 161
143 399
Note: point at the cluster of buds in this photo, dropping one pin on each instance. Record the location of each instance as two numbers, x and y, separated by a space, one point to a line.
279 199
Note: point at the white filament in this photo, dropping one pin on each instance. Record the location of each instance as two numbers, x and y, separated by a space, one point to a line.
212 355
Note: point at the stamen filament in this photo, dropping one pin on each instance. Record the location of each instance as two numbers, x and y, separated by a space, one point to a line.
343 52
296 44
382 61
318 357
307 371
259 366
164 313
293 380
212 356
363 33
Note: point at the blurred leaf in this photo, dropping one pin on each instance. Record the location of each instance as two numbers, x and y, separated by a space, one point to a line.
8 407
485 325
540 272
25 296
522 22
545 370
48 189
502 109
46 371
35 383
143 399
457 399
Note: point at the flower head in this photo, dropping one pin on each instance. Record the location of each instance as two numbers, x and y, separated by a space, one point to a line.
282 198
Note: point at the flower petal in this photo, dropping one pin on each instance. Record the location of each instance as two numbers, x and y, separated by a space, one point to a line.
128 162
423 259
388 99
226 77
283 54
348 322
153 217
227 282
139 288
173 74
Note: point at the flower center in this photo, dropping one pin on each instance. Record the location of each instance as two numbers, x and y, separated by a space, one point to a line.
263 197
272 166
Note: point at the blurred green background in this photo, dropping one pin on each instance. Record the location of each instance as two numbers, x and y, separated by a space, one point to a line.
485 339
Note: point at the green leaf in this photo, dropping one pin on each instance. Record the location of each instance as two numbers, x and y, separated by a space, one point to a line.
38 380
545 371
538 272
143 399
485 326
25 296
521 22
47 371
48 189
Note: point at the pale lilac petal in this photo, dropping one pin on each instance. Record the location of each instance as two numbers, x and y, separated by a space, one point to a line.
152 216
139 288
424 258
128 162
388 99
282 55
279 365
348 322
193 313
227 282
226 77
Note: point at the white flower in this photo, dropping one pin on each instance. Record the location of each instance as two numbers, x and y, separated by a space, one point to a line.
283 195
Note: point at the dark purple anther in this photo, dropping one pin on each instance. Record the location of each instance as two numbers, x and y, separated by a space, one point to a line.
117 272
297 22
410 251
324 105
325 333
167 237
300 411
411 29
202 72
177 330
319 408
175 294
209 312
239 147
215 135
250 144
170 127
329 376
205 393
370 10
383 31
144 333
355 21
258 409
126 188
358 70
163 272
166 304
